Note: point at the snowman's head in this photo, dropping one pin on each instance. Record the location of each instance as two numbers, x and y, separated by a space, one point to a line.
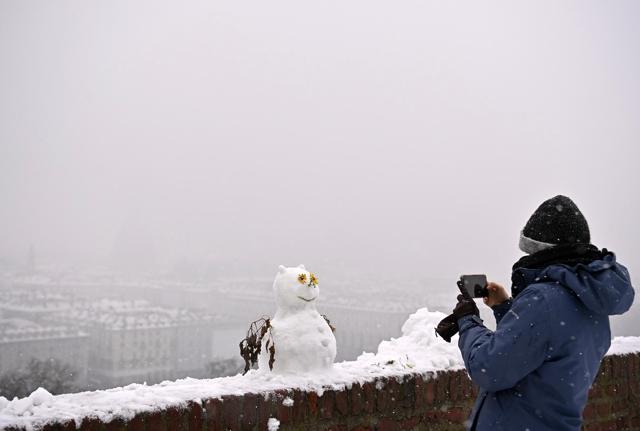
295 288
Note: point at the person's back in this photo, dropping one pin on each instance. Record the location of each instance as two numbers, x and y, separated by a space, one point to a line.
535 370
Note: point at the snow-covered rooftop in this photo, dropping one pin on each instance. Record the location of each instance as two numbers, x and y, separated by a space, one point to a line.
110 314
118 315
416 351
17 329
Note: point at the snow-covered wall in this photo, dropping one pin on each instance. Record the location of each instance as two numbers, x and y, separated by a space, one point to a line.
414 382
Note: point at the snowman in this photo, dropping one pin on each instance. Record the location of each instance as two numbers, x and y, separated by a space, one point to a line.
298 339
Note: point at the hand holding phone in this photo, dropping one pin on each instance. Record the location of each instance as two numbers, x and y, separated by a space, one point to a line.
497 294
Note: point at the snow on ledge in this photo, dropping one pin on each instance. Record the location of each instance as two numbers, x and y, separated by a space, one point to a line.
417 351
624 346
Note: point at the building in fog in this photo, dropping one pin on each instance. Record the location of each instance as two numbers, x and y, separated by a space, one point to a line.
32 299
133 341
121 341
22 340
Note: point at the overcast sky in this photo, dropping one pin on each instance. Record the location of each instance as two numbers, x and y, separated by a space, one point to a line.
396 138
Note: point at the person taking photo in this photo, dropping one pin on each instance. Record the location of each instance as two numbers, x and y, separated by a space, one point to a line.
535 370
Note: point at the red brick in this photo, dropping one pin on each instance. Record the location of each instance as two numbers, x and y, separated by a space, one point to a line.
342 402
326 402
595 392
194 416
603 409
91 424
589 411
60 426
213 414
431 391
369 398
356 397
284 413
267 408
609 425
622 367
249 416
442 387
300 409
137 423
155 421
609 367
420 393
622 390
388 424
232 412
384 393
117 424
407 392
389 397
467 386
338 427
312 404
623 423
409 424
176 419
430 417
362 428
456 415
454 383
474 391
632 366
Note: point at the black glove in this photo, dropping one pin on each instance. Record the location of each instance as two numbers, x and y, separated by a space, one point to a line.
447 328
465 307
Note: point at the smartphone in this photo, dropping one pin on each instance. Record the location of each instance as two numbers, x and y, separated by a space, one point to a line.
475 285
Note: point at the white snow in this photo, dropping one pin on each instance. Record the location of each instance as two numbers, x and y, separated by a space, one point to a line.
24 405
418 348
273 424
624 345
287 402
416 351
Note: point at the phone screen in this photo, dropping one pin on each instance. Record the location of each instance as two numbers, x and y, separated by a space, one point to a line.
475 285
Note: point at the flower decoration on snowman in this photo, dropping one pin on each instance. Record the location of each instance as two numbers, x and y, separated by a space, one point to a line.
298 338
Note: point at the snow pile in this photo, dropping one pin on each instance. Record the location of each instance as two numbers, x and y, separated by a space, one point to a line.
624 346
273 424
418 347
287 402
416 351
38 397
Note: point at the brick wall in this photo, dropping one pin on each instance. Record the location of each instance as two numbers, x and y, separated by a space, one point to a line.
439 401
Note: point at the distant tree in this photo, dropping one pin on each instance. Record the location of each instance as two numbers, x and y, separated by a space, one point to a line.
225 367
55 376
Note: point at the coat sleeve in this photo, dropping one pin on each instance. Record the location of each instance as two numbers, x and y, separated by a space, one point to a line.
500 310
498 360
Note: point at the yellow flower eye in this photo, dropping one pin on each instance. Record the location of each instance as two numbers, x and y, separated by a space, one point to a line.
302 278
314 279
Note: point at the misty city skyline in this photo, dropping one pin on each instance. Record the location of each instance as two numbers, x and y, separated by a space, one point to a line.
409 139
159 161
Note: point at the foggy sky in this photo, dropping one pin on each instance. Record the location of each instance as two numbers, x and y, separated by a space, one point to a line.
393 138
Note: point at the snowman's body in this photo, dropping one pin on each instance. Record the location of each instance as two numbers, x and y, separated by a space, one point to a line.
302 338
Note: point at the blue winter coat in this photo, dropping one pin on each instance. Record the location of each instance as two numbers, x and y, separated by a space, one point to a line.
534 372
